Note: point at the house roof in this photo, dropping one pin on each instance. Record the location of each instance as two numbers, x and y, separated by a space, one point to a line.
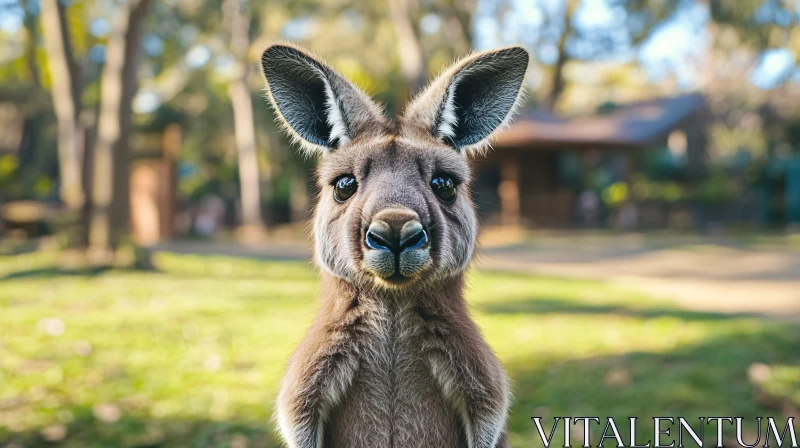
630 126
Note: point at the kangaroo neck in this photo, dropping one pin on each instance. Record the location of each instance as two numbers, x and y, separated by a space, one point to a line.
435 295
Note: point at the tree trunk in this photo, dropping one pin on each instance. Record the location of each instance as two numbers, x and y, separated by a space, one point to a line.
87 181
462 13
110 208
558 84
66 94
244 126
30 23
412 63
248 158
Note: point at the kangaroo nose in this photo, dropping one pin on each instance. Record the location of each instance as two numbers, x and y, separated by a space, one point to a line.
396 231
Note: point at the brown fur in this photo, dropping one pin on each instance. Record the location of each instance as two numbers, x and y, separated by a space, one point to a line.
389 364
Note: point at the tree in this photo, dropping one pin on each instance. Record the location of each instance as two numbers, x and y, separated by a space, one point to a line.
745 118
409 49
66 93
762 24
557 83
30 22
111 170
459 15
244 126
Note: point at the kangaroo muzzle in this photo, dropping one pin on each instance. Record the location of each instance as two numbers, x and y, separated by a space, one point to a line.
396 246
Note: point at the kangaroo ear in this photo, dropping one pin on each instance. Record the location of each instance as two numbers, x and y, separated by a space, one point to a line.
318 107
474 98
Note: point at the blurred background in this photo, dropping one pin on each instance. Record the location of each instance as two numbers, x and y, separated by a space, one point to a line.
154 276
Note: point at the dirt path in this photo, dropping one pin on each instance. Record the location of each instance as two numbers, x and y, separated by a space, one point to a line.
708 277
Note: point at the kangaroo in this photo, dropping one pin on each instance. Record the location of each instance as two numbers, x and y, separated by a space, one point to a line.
393 359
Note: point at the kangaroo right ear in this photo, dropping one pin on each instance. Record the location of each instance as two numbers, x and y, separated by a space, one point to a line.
318 107
471 101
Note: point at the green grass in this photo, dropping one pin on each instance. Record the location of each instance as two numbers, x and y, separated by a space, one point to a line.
192 355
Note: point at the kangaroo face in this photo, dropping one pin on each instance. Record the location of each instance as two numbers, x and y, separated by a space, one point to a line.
394 210
394 206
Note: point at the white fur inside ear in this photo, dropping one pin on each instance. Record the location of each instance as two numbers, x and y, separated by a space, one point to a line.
448 119
335 118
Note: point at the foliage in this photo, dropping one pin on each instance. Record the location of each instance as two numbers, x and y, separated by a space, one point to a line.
761 23
8 165
717 187
645 189
616 194
192 355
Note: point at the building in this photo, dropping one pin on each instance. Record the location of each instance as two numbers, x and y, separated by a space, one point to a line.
523 182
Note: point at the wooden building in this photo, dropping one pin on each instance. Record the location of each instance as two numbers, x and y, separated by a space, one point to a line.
153 184
519 182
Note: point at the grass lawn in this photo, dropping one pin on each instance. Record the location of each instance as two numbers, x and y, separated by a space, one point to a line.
192 355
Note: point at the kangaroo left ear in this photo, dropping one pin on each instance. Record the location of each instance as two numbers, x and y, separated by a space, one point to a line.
318 107
469 102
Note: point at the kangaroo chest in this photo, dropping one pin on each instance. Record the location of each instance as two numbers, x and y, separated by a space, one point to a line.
394 397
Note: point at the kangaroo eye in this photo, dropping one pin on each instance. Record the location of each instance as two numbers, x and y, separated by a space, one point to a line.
444 187
344 187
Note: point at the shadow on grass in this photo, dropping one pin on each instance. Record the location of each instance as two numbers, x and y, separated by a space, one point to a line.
243 270
54 271
554 306
11 248
705 379
87 431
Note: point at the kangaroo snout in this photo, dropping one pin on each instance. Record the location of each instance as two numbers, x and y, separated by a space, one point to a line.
395 231
396 245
